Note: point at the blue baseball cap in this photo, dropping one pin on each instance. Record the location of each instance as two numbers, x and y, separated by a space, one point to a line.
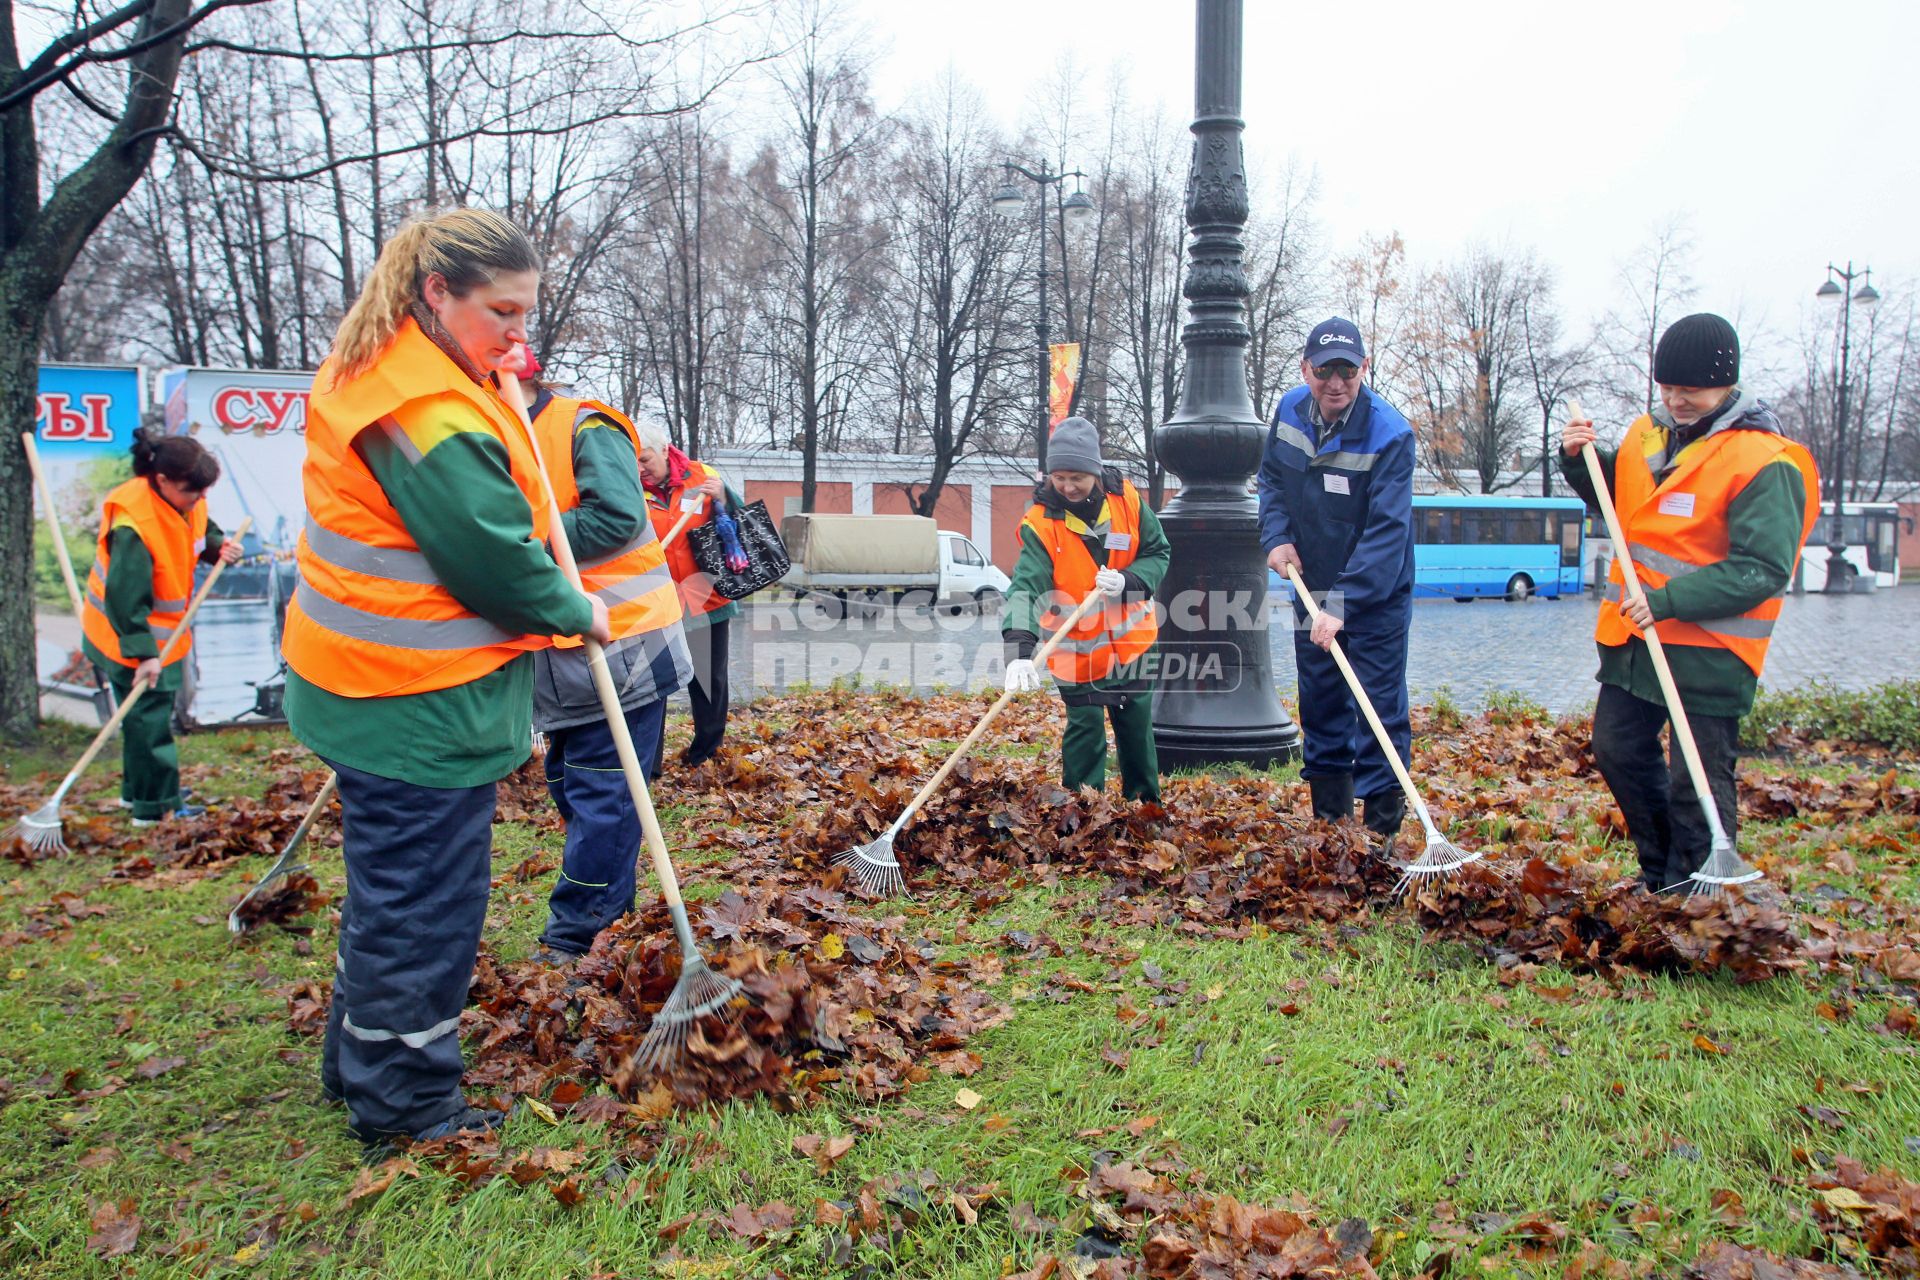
1335 339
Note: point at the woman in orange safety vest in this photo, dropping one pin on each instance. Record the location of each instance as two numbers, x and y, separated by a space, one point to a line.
154 530
425 587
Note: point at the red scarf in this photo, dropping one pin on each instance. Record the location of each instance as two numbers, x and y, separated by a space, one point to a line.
678 464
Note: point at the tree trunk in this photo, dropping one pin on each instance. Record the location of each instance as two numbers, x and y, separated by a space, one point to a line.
38 245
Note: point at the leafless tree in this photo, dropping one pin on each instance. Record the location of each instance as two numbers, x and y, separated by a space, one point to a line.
1657 282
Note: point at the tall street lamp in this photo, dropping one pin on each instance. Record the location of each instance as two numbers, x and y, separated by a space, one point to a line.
1216 700
1843 297
1076 209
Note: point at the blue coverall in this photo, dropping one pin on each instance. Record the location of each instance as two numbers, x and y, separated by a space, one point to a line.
1346 504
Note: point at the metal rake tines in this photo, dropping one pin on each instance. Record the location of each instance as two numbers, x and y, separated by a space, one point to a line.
1437 859
237 925
699 992
874 866
40 830
1722 869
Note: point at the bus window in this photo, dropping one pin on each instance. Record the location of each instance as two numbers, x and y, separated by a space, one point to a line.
1534 528
1881 547
1487 530
1569 542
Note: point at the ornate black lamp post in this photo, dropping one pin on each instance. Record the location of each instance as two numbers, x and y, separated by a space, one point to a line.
1839 571
1216 698
1076 209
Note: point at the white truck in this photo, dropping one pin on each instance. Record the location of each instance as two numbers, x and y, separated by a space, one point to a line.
878 560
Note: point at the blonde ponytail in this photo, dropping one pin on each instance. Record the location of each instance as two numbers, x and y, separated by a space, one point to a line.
469 247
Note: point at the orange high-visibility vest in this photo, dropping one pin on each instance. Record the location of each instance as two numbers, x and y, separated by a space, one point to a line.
697 595
1109 637
1679 526
370 619
174 541
633 581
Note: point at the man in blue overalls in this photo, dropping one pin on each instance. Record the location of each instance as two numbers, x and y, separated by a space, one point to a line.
1336 503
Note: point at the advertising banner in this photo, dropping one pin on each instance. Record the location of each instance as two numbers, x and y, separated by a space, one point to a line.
1063 372
255 423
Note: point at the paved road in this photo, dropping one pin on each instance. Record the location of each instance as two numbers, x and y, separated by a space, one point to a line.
1540 648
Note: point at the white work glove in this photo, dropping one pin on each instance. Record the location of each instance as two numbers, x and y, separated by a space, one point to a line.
1022 676
1110 583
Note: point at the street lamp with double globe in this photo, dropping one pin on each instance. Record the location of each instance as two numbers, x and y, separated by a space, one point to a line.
1077 210
1843 296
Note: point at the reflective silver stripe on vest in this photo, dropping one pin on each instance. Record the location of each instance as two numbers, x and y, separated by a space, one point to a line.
398 633
396 564
1737 627
644 538
1347 461
160 633
1660 561
1290 434
1134 618
159 606
639 585
411 1039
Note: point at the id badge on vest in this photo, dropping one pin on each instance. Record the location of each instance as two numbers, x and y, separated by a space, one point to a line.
1337 484
1677 504
692 501
1119 541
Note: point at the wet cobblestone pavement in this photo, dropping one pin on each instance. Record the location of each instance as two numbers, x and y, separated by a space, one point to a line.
1542 649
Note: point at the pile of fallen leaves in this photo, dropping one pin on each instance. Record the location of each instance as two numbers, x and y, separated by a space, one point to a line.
833 998
1222 851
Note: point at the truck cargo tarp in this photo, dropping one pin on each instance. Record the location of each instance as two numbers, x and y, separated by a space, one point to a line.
840 544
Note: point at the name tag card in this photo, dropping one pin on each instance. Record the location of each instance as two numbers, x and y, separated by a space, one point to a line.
1677 504
691 502
1119 541
1337 484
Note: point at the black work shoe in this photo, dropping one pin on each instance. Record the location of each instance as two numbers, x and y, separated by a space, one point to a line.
468 1120
1385 812
555 958
1332 797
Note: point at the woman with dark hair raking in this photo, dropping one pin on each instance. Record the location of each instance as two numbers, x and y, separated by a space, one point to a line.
153 530
424 587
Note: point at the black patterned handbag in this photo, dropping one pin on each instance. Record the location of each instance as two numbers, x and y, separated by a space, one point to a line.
767 560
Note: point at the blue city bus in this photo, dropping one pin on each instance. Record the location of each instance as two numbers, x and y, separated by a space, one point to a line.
1467 547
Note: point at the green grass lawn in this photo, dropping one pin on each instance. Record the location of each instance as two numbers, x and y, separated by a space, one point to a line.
145 1058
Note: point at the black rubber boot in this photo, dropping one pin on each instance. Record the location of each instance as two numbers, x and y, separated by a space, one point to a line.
1385 812
1332 797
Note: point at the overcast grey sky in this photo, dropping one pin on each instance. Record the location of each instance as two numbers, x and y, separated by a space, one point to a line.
1780 128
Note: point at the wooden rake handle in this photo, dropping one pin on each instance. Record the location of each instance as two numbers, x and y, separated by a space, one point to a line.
602 677
999 705
140 686
53 523
1360 696
679 526
1696 769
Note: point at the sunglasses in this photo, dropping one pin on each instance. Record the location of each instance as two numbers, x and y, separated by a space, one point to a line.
1336 369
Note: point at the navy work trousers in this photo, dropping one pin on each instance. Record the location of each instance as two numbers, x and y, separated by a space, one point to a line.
1338 738
596 884
419 862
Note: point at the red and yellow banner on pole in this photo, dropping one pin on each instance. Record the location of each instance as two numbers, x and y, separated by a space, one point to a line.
1062 374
